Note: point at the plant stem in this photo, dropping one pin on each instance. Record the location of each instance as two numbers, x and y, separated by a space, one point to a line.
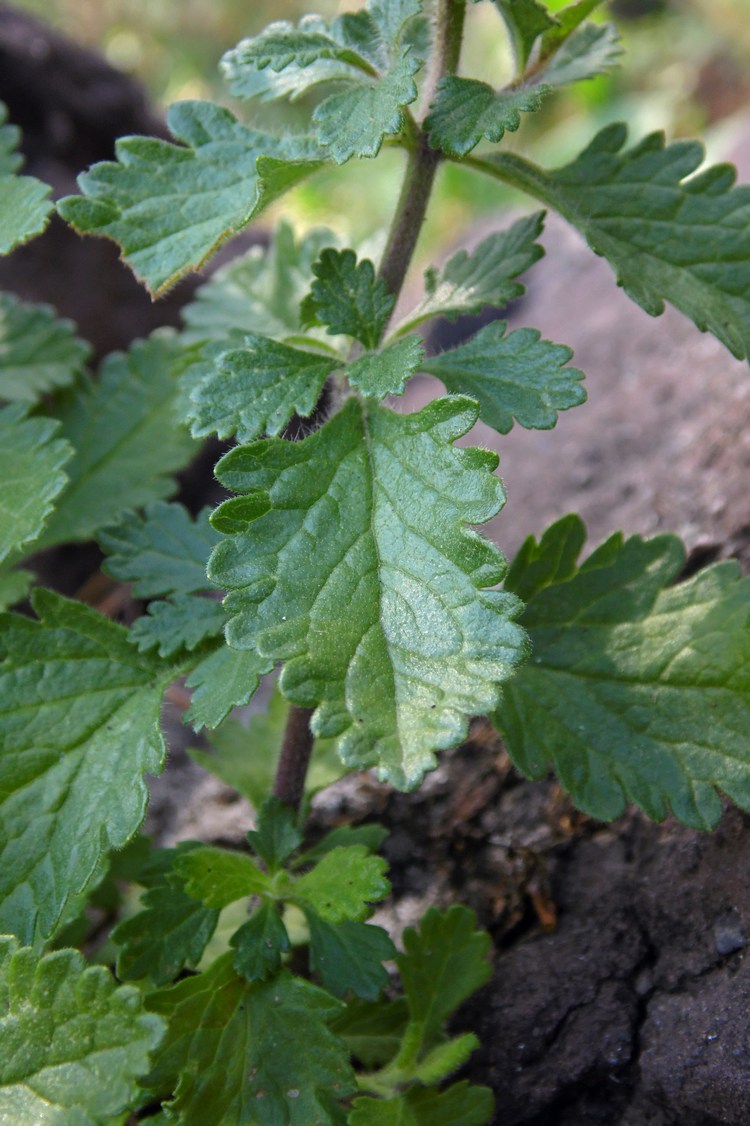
406 225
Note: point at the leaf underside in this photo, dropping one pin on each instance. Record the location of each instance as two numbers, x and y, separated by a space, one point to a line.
466 110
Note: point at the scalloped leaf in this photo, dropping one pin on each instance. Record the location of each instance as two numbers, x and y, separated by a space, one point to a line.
32 456
348 298
38 351
25 206
590 50
638 689
466 110
525 20
387 371
392 634
225 679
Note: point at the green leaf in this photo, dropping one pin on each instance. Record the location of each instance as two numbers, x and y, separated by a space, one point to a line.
349 955
276 835
373 1030
174 624
469 1105
347 297
64 1028
163 551
469 282
221 681
14 586
259 944
373 509
638 689
38 352
25 205
282 45
526 20
443 963
79 726
218 877
568 19
386 371
466 110
171 930
127 443
592 49
169 207
343 884
241 1052
669 235
446 1058
371 836
518 376
32 455
257 388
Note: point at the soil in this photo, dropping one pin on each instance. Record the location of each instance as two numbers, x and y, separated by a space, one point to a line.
621 991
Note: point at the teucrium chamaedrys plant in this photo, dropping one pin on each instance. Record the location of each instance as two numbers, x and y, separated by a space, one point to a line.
348 561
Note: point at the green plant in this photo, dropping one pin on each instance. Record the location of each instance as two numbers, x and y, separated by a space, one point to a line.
347 560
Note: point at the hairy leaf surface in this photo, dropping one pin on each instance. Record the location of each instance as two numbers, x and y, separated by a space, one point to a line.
638 689
590 50
348 298
219 876
38 351
32 456
387 371
225 679
344 883
79 726
466 110
373 510
182 622
64 1027
518 376
349 955
169 207
25 205
526 20
164 551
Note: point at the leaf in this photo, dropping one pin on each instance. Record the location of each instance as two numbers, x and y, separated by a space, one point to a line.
38 351
371 836
647 698
443 963
126 441
669 235
257 389
163 551
221 681
568 19
464 1103
347 297
518 376
218 876
343 884
276 834
526 20
32 455
259 944
445 1058
64 1026
386 371
373 508
14 586
240 1052
174 624
170 931
169 207
591 50
466 110
26 205
469 282
349 955
372 1030
79 726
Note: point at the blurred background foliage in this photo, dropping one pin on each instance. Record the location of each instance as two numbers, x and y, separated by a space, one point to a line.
686 70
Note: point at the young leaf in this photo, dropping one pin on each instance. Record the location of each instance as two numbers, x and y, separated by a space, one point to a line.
373 1030
385 372
225 679
164 551
126 442
445 1058
638 689
170 932
349 955
182 622
568 19
464 1103
347 297
218 877
669 235
343 884
371 836
79 726
64 1027
469 282
373 509
169 207
526 20
592 49
32 455
25 206
38 352
466 110
259 944
241 1052
518 376
256 389
277 833
443 963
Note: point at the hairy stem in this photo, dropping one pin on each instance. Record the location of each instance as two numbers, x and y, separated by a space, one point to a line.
406 225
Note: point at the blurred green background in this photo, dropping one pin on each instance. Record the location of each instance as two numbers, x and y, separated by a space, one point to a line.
686 69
